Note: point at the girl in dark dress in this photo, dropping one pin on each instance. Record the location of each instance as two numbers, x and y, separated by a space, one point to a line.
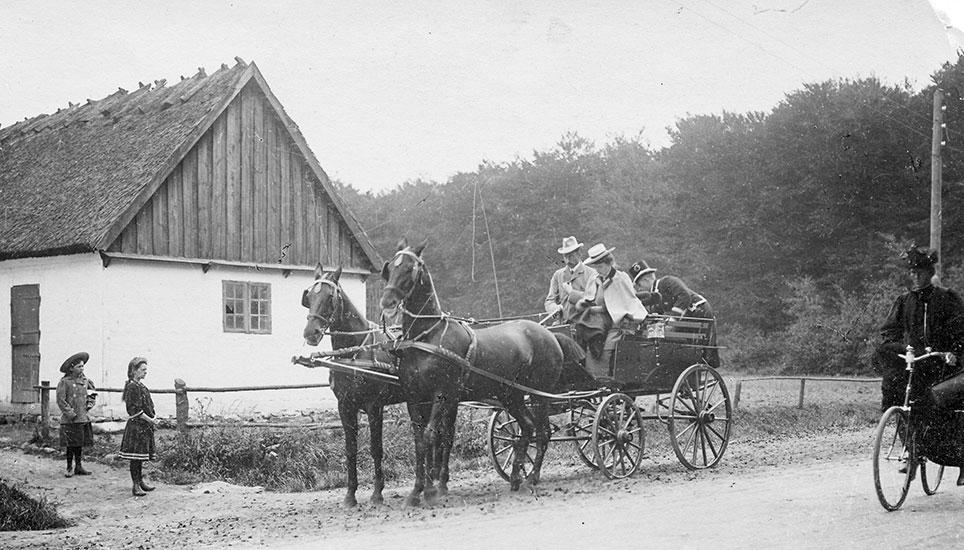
75 398
138 443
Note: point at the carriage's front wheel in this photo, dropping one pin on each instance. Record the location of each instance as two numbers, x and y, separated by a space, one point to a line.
618 440
582 417
700 417
503 433
893 452
931 475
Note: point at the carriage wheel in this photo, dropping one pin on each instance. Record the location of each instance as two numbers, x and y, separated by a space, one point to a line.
618 439
581 419
890 455
503 433
700 417
931 474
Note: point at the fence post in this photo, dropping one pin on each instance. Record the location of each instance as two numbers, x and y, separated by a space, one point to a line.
736 394
803 385
181 405
45 410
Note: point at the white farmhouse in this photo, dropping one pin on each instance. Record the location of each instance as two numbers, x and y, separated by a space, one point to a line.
180 223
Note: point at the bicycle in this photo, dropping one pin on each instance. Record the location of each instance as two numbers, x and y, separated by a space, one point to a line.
897 455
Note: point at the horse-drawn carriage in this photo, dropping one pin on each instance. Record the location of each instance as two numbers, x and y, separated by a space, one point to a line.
662 357
518 368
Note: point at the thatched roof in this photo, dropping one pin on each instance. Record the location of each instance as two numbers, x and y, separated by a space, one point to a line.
70 181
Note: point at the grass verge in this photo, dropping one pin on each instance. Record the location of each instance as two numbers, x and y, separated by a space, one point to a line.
20 512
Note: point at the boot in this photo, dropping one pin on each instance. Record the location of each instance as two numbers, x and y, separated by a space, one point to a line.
145 486
80 471
960 477
136 490
69 472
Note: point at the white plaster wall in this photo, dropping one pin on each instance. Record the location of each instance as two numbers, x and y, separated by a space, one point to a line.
171 314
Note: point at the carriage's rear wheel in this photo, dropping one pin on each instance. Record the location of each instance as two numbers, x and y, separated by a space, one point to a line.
618 439
931 474
893 452
503 433
700 417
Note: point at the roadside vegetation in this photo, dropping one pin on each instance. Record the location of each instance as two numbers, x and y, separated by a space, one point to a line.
20 512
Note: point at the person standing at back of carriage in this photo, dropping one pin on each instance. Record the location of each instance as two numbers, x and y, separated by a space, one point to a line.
670 296
568 283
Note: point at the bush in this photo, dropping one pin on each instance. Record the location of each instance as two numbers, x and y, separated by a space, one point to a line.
298 459
20 512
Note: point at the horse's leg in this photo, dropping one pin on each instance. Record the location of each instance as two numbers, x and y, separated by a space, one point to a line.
375 416
448 441
434 436
540 414
349 423
515 404
416 414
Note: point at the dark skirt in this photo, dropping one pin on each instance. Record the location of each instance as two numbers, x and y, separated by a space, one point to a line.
76 435
138 442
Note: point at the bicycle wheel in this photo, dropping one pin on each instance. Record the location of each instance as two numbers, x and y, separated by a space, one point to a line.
930 475
893 451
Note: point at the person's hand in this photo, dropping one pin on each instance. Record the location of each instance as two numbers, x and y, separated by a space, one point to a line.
951 359
554 309
566 288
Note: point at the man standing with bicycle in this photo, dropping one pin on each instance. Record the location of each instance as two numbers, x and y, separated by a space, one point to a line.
926 316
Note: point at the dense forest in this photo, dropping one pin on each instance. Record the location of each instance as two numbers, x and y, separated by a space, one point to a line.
790 222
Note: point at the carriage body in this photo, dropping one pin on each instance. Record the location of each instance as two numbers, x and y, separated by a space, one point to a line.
651 358
661 357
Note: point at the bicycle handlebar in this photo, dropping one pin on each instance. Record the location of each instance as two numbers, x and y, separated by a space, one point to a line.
910 358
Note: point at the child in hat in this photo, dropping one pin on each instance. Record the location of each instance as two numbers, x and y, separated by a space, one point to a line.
75 398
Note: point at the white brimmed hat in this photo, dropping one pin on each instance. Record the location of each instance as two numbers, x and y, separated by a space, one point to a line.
569 244
597 252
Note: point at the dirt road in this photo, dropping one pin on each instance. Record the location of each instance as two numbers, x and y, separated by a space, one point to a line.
795 493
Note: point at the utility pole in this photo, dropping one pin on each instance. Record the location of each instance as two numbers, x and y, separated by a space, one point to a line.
937 142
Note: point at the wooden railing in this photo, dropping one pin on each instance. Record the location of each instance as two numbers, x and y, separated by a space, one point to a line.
803 384
181 392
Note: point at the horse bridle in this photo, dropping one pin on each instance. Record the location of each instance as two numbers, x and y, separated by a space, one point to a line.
416 272
336 293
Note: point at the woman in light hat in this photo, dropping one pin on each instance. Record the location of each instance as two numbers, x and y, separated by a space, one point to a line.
138 443
74 400
609 307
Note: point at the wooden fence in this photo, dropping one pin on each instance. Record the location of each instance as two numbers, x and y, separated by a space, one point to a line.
803 384
181 392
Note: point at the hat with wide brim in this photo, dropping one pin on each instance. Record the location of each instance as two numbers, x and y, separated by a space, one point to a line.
82 356
639 269
569 244
597 252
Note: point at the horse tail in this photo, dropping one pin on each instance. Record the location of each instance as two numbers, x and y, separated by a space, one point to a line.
574 375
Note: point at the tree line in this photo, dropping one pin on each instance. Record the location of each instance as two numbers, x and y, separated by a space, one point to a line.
789 221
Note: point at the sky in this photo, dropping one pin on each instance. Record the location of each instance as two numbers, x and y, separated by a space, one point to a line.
389 92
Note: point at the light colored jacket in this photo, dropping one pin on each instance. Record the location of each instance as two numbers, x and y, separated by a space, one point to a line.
72 399
578 278
618 296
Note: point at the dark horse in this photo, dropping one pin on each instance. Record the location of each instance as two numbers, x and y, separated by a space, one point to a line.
520 351
329 309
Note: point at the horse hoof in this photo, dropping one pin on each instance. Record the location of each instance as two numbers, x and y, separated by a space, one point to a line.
377 499
431 495
412 501
350 502
443 489
515 484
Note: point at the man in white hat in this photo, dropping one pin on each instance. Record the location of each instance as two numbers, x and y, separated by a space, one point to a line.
568 283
